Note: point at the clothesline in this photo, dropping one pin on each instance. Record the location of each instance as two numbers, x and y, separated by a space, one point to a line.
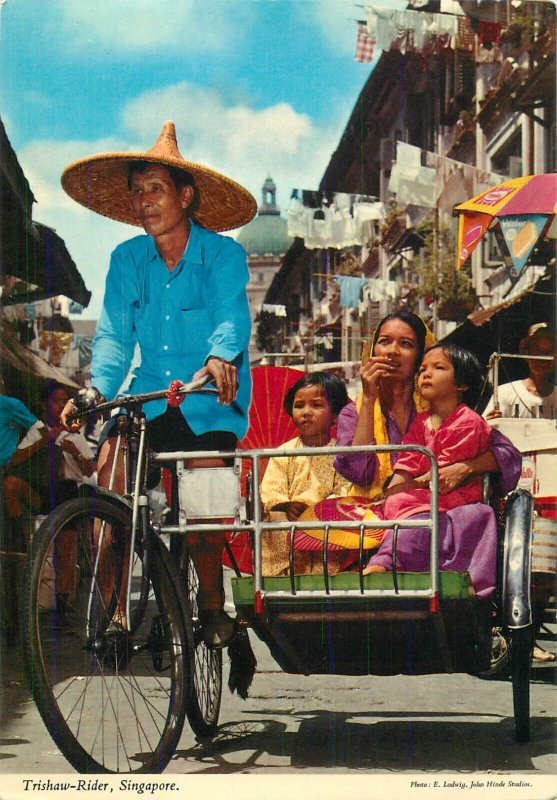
408 30
412 8
355 291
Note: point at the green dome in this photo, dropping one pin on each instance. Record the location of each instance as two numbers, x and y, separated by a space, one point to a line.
266 235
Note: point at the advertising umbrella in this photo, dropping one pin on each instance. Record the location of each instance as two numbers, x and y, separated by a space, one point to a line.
519 211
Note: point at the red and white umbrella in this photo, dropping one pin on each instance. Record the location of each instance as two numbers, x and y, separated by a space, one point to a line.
269 426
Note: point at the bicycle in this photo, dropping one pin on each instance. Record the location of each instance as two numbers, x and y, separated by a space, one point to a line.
115 696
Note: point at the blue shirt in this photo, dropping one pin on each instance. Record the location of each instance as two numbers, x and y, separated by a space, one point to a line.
14 418
179 319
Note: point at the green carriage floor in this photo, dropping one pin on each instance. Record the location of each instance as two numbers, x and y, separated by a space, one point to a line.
370 635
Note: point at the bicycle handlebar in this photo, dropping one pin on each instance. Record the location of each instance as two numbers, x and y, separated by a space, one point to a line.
129 400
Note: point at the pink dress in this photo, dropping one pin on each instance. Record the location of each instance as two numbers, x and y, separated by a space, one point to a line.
461 435
468 533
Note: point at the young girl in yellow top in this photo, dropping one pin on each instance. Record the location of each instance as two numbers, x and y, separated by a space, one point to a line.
293 483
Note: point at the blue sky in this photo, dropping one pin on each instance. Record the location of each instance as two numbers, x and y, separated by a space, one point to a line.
255 87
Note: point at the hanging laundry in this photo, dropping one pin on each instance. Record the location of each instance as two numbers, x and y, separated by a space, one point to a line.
326 340
277 310
295 218
364 44
350 288
377 289
339 220
382 21
414 185
330 308
60 305
440 182
451 7
365 215
408 30
457 181
490 32
454 185
319 228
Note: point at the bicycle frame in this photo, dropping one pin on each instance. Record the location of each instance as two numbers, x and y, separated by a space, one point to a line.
135 471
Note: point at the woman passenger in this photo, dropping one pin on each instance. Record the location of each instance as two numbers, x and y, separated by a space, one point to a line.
383 413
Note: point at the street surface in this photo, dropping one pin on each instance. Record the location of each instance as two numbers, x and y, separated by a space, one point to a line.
428 725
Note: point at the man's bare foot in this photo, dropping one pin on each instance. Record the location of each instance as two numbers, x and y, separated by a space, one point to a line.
374 568
119 620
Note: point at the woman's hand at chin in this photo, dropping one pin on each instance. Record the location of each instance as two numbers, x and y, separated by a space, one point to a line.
371 374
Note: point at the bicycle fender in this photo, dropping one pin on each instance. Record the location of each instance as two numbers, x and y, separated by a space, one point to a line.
88 490
519 511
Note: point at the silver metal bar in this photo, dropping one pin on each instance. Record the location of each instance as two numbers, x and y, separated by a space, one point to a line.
257 525
258 570
204 527
93 583
325 564
271 452
137 496
115 463
291 558
434 540
493 367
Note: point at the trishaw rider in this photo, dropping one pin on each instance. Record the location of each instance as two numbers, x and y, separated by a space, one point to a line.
179 293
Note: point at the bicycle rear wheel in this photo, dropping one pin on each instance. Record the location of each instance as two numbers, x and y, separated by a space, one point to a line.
204 706
112 700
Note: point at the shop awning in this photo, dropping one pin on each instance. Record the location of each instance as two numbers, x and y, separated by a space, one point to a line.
38 257
500 328
34 261
22 359
484 315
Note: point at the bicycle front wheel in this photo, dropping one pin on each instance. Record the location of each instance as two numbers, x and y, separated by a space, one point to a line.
113 700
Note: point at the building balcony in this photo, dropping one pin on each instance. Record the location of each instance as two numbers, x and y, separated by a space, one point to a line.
523 84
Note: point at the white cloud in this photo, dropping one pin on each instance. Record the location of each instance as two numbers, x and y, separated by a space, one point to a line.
89 237
245 143
124 27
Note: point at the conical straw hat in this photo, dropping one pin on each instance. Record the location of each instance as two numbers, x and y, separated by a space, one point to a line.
100 182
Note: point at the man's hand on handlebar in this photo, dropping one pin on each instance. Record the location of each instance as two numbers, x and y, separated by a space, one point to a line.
86 400
225 376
